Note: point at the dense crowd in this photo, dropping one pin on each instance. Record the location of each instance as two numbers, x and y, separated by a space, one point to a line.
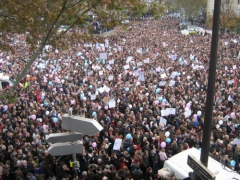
146 85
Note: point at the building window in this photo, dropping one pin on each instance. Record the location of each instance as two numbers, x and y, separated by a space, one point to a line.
238 1
238 12
227 1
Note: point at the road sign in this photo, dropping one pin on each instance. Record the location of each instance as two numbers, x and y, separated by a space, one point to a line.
59 149
200 169
63 137
80 124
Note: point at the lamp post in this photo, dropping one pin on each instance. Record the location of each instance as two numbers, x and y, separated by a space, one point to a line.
211 88
211 85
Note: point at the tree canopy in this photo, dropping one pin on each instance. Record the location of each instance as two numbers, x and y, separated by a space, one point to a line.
190 8
41 20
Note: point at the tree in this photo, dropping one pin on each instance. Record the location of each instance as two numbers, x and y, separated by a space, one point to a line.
40 20
228 18
189 8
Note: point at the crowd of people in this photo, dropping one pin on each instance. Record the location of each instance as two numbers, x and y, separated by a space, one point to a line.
145 84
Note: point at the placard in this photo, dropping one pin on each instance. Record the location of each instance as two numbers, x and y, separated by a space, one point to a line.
163 121
111 61
162 83
173 75
112 104
158 69
171 111
146 61
139 63
141 76
103 56
101 90
93 96
110 78
236 141
107 89
126 67
129 58
90 73
230 82
172 83
136 73
164 113
187 113
117 144
109 67
163 75
139 50
100 73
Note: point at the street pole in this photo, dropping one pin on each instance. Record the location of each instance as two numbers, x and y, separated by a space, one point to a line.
211 86
210 89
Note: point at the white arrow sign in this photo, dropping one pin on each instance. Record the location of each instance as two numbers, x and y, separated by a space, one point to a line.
63 137
59 149
80 124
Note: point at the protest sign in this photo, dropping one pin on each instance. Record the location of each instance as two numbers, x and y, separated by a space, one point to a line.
162 83
230 82
163 75
107 89
101 90
163 121
139 63
172 83
187 113
117 144
93 96
136 73
100 73
158 69
236 141
112 104
126 67
173 75
146 61
139 50
110 77
141 76
111 61
171 111
129 58
90 73
103 56
164 113
109 67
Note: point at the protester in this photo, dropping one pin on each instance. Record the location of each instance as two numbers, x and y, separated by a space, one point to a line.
145 84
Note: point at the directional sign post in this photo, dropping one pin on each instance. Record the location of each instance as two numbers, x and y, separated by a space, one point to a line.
67 148
80 124
63 137
70 143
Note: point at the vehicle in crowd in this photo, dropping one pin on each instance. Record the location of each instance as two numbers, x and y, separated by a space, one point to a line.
178 164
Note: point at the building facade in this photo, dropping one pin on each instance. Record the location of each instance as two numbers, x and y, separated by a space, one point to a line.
226 5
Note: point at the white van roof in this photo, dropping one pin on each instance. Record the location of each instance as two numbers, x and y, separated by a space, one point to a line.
178 164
